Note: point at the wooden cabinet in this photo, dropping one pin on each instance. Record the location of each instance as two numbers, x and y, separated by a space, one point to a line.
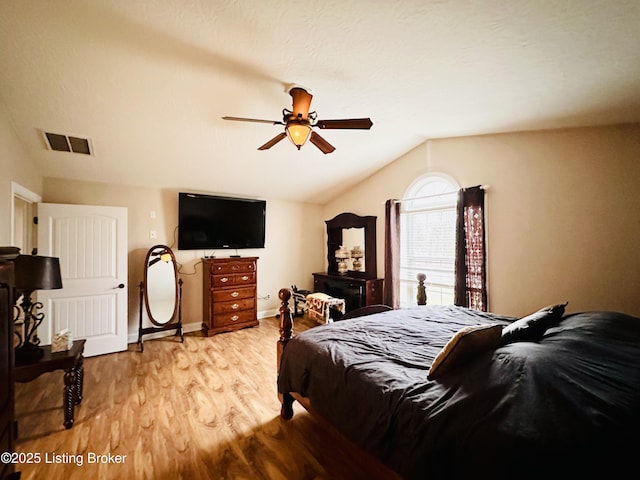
229 294
7 420
356 291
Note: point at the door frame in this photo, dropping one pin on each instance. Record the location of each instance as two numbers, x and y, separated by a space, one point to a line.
18 192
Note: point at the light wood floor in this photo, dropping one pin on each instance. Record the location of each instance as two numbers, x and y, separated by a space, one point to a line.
204 409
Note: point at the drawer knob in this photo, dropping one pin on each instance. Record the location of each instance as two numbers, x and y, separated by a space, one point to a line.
235 318
235 294
224 279
245 277
235 306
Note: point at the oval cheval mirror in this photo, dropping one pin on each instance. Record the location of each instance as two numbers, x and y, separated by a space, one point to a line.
161 293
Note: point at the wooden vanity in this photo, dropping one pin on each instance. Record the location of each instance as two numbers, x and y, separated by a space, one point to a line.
357 288
356 291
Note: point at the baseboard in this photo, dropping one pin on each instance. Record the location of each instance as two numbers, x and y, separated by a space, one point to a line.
132 337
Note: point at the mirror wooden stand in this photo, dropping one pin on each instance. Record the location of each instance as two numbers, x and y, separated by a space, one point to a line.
161 293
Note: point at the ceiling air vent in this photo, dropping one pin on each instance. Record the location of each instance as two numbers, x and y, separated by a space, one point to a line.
67 143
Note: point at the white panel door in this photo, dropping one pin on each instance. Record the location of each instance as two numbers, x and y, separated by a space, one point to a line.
91 242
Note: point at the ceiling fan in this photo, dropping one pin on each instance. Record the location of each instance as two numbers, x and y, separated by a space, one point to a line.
298 123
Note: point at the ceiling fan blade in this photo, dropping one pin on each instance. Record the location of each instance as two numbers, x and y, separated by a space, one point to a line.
273 141
350 123
321 143
241 119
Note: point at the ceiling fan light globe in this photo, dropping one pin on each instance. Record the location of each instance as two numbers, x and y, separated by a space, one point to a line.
298 133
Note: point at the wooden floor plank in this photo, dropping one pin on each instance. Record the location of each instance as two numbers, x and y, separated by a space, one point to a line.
206 408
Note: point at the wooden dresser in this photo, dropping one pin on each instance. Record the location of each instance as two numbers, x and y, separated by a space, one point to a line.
229 299
357 291
7 419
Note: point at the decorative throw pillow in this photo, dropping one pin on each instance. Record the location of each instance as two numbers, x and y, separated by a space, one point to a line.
465 344
532 327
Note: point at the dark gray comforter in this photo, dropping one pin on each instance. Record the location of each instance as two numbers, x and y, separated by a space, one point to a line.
569 402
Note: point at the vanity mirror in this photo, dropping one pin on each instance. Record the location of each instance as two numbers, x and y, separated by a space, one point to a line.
161 293
357 235
353 242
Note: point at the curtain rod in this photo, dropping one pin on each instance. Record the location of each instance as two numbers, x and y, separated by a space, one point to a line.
483 187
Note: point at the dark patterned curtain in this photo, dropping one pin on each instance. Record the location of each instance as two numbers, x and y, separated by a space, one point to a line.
392 253
471 268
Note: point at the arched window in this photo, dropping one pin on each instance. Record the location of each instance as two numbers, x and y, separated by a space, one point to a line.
427 239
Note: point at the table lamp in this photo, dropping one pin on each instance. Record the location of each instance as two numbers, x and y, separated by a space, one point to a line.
33 272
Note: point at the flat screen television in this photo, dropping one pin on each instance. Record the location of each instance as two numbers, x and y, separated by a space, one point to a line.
208 222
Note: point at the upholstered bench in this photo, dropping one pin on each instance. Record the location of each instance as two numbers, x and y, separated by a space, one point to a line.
319 306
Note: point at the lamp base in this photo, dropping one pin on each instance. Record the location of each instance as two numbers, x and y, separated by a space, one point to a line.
28 353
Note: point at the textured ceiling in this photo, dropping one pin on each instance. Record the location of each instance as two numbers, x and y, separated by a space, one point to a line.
148 81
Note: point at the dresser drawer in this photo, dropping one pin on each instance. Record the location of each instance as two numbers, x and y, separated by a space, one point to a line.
226 280
228 294
235 266
232 318
233 306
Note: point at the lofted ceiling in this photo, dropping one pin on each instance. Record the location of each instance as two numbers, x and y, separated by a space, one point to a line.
148 82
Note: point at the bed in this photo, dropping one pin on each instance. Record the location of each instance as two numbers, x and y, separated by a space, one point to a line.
423 392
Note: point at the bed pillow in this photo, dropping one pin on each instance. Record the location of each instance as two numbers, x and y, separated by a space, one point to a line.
465 344
532 327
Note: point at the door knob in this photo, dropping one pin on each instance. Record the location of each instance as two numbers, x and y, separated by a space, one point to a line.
121 285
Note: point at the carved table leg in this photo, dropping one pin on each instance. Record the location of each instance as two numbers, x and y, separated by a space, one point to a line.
70 379
79 380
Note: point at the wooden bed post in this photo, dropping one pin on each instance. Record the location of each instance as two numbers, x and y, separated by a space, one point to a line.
422 292
286 321
286 334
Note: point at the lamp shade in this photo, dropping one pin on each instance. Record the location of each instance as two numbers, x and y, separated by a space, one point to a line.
298 131
34 272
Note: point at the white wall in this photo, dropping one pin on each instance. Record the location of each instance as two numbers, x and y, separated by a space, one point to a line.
577 242
15 166
562 212
293 244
